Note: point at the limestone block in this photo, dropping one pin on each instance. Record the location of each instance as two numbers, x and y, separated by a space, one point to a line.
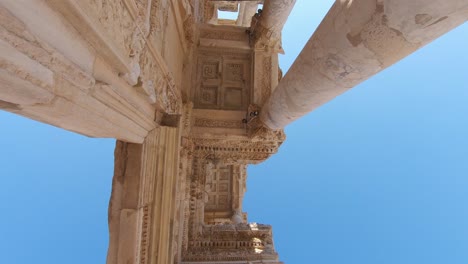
127 236
58 33
23 81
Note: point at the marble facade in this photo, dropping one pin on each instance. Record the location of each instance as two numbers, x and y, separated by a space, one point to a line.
192 99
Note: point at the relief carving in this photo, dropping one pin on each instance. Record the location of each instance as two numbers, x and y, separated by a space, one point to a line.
188 20
223 35
158 22
235 151
266 79
234 72
151 77
229 6
115 19
158 84
206 122
128 23
232 242
223 81
210 70
210 14
187 118
140 33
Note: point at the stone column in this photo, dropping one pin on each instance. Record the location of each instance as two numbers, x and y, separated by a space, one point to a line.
275 13
357 39
246 11
272 19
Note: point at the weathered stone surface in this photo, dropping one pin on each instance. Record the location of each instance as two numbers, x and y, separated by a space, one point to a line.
356 40
188 96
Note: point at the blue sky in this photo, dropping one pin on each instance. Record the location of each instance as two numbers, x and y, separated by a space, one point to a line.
378 175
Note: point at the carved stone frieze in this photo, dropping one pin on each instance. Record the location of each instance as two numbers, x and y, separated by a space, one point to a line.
232 242
115 19
218 33
159 84
188 19
187 118
214 123
135 25
266 79
210 14
141 11
158 22
229 6
152 79
231 151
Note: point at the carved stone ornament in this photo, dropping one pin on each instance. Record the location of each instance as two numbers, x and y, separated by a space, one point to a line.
232 242
228 6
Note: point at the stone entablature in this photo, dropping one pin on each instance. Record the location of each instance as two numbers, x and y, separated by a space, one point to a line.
231 151
232 242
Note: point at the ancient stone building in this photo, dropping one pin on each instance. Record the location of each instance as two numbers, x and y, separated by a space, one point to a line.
192 100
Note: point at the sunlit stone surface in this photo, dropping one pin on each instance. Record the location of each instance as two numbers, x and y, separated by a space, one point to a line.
192 100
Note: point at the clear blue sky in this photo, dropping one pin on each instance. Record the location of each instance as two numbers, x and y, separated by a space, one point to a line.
378 175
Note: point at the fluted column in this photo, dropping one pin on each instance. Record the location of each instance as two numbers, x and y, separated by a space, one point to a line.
357 39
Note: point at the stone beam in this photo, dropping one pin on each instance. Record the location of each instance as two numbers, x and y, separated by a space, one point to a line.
357 39
51 74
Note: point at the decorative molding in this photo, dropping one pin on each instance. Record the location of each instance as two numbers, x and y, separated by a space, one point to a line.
176 12
235 151
214 123
232 242
266 79
223 33
144 239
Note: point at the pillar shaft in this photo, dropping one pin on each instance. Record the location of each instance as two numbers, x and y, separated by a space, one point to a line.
273 17
357 39
246 11
142 208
